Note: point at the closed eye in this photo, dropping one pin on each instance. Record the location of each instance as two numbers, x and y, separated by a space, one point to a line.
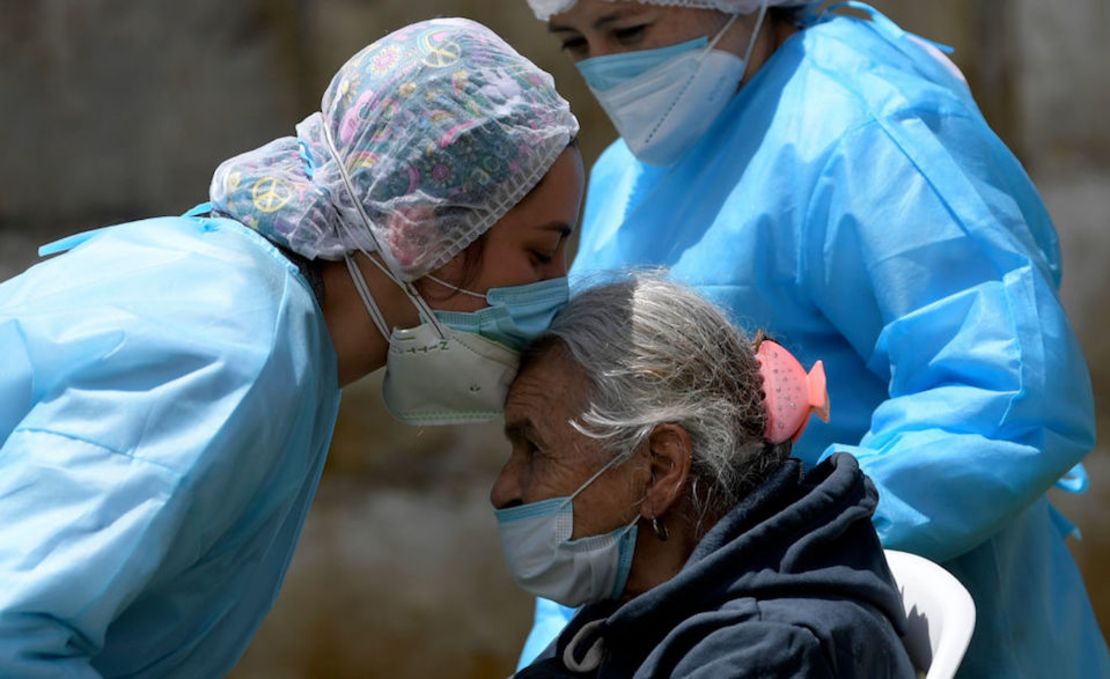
575 45
631 35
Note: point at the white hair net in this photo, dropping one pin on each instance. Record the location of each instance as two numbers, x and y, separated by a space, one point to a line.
545 8
441 128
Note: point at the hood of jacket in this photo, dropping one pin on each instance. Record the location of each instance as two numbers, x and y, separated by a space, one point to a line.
798 536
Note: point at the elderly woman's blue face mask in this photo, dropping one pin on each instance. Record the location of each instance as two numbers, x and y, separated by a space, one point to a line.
554 475
545 560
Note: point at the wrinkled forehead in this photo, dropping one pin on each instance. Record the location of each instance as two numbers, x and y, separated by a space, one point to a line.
549 390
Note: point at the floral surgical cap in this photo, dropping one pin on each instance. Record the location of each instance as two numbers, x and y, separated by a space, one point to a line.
441 127
545 8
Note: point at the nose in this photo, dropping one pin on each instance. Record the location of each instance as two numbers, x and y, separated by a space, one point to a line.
506 488
558 266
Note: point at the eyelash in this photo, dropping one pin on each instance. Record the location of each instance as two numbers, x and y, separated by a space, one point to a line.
574 45
625 36
541 257
630 34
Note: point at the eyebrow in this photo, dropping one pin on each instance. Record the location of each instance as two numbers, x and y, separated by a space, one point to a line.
520 429
600 24
562 227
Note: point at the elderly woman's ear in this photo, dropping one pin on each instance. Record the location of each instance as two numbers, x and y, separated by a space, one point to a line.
669 453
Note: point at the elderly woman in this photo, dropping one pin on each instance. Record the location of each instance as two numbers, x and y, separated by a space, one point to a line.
650 480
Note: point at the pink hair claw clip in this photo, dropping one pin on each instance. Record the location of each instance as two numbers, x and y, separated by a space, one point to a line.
790 393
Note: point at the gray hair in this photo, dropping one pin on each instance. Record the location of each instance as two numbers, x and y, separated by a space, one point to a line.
656 352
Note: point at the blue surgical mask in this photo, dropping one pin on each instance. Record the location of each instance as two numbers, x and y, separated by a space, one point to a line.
546 562
456 367
514 316
606 72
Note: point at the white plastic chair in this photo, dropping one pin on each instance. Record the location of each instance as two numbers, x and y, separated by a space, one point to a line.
940 612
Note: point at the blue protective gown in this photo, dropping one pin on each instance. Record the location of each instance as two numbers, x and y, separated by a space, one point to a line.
168 392
852 201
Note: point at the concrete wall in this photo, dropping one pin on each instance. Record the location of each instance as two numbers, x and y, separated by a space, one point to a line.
117 108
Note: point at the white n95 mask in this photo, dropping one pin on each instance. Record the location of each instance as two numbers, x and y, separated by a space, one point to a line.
663 100
456 367
547 563
452 379
452 371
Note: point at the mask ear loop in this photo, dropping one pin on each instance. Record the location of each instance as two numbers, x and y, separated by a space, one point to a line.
608 465
755 36
455 288
426 312
721 33
367 299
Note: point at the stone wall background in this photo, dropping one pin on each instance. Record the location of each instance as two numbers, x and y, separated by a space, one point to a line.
117 109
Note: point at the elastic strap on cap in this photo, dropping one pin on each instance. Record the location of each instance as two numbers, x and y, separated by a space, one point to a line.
389 268
455 288
363 291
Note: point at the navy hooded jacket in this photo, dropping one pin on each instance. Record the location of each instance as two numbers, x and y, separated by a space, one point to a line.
791 583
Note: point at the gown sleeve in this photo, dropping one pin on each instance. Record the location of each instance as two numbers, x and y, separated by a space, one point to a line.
930 263
119 400
85 529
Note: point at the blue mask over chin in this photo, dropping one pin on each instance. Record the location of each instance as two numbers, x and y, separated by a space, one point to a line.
516 315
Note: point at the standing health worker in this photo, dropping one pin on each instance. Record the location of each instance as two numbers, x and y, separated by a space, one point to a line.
830 178
169 387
